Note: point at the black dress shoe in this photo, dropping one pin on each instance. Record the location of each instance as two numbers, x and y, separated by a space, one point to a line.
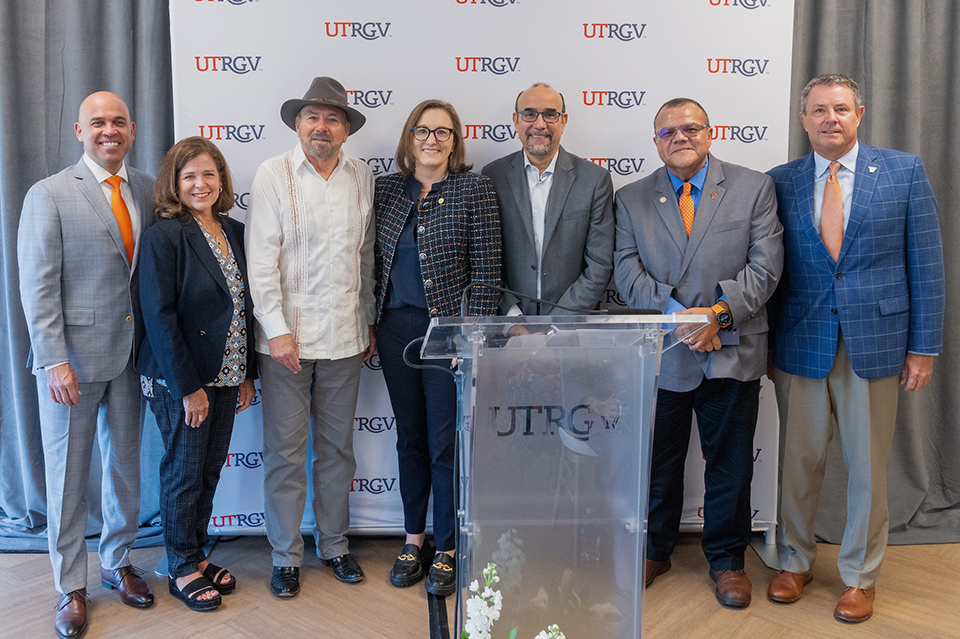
442 578
345 568
408 569
285 581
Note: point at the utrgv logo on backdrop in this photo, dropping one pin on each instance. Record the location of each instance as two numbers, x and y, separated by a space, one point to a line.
365 30
746 4
241 520
743 66
231 1
480 64
239 64
744 133
235 132
494 132
492 3
620 166
379 166
376 424
251 459
624 32
369 98
374 362
374 485
240 201
622 99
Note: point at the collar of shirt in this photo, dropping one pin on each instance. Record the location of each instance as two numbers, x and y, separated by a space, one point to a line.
696 183
300 160
845 176
534 175
100 174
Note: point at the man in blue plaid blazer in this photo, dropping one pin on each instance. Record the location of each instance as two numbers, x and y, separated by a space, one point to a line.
850 324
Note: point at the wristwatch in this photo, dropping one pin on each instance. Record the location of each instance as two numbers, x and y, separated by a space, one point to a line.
724 318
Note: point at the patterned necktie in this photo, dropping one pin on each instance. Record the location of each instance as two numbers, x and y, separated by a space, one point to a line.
831 215
122 214
686 208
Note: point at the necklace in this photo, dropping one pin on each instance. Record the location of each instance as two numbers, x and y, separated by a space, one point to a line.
216 237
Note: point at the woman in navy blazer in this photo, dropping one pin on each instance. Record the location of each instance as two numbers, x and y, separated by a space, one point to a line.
196 362
438 230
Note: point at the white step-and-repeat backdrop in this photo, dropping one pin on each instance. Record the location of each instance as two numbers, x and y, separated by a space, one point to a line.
615 61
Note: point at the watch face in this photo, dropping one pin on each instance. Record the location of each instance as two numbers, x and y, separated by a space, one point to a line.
724 319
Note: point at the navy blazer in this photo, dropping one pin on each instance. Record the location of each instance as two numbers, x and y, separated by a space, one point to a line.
886 292
186 305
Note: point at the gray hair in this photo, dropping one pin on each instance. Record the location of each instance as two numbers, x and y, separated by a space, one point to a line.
832 80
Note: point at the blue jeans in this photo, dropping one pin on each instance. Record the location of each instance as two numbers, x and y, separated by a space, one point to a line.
425 405
190 471
727 419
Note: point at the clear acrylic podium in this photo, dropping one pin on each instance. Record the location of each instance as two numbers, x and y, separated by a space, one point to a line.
554 463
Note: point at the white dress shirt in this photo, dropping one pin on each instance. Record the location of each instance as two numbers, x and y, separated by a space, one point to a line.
309 248
101 175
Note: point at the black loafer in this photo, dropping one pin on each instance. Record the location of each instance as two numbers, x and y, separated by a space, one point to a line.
408 568
285 581
345 568
442 578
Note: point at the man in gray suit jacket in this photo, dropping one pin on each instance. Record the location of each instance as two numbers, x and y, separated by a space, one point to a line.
556 213
702 236
77 253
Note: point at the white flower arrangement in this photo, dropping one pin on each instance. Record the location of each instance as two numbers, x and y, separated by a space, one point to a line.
483 608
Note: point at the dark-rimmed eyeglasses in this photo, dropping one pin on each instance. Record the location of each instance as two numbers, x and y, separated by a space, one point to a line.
550 116
689 130
441 133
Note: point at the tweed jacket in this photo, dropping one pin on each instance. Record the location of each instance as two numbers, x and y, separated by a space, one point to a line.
885 292
458 238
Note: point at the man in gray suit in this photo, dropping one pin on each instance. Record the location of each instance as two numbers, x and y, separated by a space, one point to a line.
556 213
702 236
77 253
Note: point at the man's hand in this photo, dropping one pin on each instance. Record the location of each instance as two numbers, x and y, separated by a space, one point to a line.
284 350
699 339
63 384
917 371
371 349
246 394
195 408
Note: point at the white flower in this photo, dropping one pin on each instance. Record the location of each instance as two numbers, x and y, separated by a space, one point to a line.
474 586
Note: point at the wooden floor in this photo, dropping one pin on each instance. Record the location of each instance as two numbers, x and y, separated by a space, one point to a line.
918 596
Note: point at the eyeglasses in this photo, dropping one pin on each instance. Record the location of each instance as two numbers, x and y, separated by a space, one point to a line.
441 133
550 116
689 130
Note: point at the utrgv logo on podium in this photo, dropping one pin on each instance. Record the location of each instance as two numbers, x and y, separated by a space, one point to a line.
492 3
747 134
236 2
746 4
747 66
494 132
526 421
481 64
620 166
235 132
369 98
624 32
239 64
622 99
365 30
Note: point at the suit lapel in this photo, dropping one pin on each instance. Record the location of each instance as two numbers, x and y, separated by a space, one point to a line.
563 179
710 199
803 188
202 250
521 192
91 190
864 183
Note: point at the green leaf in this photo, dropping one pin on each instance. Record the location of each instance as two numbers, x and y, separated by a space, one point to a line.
464 634
513 634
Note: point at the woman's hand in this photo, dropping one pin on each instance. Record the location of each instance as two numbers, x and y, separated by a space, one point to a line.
247 393
195 406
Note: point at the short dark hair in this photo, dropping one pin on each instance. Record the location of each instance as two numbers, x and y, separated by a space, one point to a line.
516 102
831 80
406 162
166 191
678 102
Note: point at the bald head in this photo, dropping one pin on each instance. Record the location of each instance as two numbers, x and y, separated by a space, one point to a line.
105 128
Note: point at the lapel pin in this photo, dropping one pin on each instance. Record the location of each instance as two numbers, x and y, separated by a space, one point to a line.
872 169
662 199
713 195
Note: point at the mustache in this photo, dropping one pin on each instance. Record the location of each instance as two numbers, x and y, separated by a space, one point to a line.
324 137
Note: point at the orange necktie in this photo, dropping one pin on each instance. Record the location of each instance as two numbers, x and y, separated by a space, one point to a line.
122 214
831 215
686 208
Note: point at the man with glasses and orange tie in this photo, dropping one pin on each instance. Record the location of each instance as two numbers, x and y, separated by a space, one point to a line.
701 236
77 250
556 214
860 310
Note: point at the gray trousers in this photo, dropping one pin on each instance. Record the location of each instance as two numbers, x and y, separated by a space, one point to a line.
112 414
863 412
322 395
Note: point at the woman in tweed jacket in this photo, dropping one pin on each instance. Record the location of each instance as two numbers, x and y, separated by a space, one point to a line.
438 230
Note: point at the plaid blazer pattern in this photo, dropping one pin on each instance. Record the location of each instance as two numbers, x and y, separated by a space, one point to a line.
458 237
886 291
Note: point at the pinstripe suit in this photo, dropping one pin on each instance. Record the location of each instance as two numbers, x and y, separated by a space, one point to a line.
883 297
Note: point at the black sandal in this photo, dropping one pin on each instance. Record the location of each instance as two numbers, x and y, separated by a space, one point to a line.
191 593
215 574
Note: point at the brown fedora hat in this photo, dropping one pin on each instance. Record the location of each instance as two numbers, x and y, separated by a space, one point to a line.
322 90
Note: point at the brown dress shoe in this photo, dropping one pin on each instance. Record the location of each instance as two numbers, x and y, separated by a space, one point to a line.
787 587
134 591
855 605
733 587
70 622
652 569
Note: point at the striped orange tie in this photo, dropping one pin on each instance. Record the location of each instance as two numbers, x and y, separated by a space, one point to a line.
686 208
831 215
122 214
